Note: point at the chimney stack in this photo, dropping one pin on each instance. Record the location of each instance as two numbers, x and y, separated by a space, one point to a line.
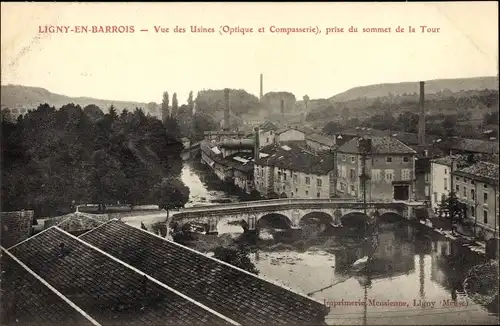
226 108
421 121
261 86
256 145
282 108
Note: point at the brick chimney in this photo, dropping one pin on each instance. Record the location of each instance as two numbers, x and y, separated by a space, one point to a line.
282 108
261 86
256 144
421 121
226 109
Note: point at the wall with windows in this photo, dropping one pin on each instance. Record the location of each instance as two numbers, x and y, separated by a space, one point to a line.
295 184
266 138
440 183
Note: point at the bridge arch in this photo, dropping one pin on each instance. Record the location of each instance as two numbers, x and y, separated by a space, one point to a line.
316 218
389 217
274 220
355 219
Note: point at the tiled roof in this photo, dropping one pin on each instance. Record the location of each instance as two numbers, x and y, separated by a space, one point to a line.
15 227
241 296
325 140
107 289
28 301
77 222
482 170
380 145
459 159
299 158
266 126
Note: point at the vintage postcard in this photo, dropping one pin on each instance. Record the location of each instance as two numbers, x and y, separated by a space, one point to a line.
249 163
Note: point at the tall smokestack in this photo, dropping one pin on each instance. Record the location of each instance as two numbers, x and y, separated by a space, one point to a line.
226 108
421 121
256 145
261 86
282 108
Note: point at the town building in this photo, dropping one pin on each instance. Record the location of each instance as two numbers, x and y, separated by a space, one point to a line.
477 187
292 169
289 134
267 133
389 164
186 142
425 154
441 171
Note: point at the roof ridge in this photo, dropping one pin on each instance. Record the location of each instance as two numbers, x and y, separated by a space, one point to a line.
51 288
232 266
138 271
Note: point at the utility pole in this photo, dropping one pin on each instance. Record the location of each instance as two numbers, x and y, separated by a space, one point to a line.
365 148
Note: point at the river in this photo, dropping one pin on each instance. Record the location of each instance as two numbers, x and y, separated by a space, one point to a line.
420 272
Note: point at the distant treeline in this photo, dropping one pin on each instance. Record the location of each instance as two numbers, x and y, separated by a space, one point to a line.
54 159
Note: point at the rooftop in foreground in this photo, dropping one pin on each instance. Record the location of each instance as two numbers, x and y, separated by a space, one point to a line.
110 291
237 294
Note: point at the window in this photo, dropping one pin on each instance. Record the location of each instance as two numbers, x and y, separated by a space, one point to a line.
406 159
353 189
445 183
405 174
457 188
283 188
389 175
343 157
427 191
435 197
388 159
318 195
376 175
291 194
284 176
344 172
271 132
295 178
319 182
465 192
279 176
353 159
427 177
485 185
457 178
472 194
485 198
352 174
472 211
445 171
308 180
485 216
267 140
307 192
296 190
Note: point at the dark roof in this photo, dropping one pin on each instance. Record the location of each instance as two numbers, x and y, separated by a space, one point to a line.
481 170
460 160
284 129
243 297
76 222
380 145
299 157
325 140
473 145
107 289
15 227
266 126
28 301
224 133
432 151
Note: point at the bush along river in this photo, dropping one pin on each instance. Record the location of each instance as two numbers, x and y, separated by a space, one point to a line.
414 276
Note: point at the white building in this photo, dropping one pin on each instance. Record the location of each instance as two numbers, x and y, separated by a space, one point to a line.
267 134
289 134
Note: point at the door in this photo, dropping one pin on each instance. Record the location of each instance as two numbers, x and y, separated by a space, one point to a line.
401 192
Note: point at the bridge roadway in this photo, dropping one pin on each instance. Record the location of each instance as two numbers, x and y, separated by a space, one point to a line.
293 211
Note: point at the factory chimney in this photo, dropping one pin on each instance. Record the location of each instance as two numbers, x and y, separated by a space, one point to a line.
226 109
421 121
256 144
261 86
282 108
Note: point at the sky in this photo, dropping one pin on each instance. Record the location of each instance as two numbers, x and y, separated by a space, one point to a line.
140 66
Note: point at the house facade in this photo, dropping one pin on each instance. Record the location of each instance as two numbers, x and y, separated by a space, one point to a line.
477 187
292 170
320 142
267 134
389 165
289 134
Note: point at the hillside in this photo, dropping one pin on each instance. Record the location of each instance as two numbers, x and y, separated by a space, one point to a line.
18 97
431 86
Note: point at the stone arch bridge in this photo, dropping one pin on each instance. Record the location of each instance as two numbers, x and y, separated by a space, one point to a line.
293 211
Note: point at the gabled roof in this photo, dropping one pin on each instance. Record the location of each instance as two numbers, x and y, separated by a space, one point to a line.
266 126
239 295
15 227
109 290
297 156
324 140
380 145
78 221
482 170
285 129
459 159
27 300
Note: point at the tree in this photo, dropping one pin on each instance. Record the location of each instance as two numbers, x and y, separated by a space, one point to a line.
190 102
170 193
306 100
238 257
175 105
112 113
165 113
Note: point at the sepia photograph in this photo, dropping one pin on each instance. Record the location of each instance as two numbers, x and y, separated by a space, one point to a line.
220 163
